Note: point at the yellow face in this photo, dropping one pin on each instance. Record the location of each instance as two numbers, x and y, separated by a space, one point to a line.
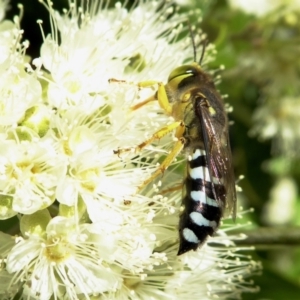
178 75
179 89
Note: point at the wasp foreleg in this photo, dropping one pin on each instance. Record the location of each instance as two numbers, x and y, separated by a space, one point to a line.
161 96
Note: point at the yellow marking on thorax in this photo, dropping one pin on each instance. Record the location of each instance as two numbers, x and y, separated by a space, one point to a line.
212 111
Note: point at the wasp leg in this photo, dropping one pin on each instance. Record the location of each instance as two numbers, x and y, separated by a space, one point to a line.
142 103
161 96
172 189
166 163
179 126
141 84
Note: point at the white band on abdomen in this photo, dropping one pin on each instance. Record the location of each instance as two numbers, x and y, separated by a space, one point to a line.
198 219
190 236
201 196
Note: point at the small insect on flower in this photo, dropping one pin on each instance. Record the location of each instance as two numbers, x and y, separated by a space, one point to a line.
201 128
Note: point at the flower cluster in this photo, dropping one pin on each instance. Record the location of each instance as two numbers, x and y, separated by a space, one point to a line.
85 230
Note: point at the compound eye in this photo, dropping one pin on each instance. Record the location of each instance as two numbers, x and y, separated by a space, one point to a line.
182 72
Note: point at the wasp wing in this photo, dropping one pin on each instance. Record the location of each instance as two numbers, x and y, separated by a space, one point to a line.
214 130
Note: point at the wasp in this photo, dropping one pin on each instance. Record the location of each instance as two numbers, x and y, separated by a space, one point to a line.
201 128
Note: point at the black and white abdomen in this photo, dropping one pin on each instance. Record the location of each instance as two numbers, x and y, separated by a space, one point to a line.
202 212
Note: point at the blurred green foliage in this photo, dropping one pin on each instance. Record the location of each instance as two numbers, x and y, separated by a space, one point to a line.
261 56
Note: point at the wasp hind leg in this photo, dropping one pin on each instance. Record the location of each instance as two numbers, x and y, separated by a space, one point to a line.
179 127
174 188
179 145
156 136
166 163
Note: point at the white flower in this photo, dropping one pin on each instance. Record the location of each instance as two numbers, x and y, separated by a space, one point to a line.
87 230
215 272
29 173
65 260
19 91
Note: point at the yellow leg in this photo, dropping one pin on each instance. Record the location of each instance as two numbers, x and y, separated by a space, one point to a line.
166 163
148 83
140 104
179 126
163 100
161 96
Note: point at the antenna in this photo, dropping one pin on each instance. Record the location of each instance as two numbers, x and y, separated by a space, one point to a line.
193 40
205 42
203 51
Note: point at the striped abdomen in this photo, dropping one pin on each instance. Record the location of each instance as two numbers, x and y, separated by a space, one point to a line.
202 213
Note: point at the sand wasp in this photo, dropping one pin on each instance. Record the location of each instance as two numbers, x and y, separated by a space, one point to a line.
201 128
